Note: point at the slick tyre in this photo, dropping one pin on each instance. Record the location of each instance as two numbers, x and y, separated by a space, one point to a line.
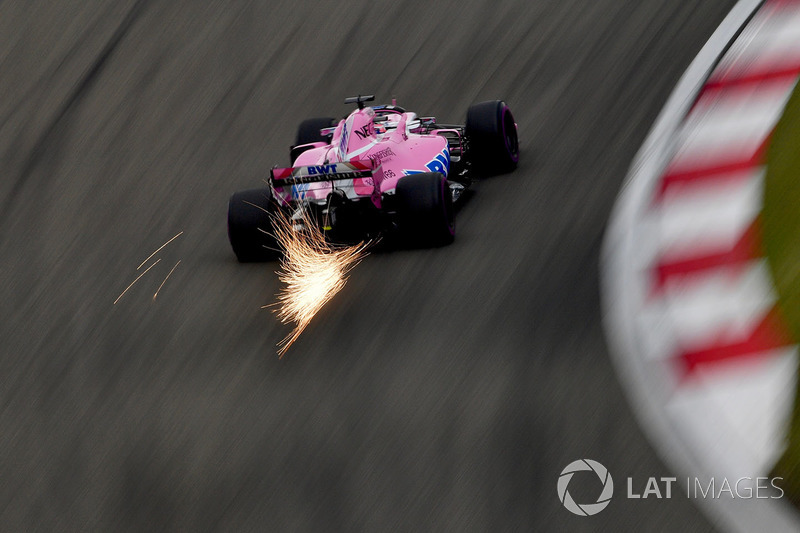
308 131
425 210
250 226
492 136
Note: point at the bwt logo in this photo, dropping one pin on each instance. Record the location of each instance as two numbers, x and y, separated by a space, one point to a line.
586 509
322 169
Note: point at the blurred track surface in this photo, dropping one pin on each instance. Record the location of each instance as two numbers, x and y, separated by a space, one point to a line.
443 389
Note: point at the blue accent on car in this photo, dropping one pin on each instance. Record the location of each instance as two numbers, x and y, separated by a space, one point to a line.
299 191
440 163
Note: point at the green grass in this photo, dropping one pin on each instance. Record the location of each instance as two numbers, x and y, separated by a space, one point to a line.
780 219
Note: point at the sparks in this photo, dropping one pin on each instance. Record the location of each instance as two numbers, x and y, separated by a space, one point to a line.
312 271
137 279
165 280
159 249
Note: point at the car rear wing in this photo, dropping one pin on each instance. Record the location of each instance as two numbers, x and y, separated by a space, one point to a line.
280 177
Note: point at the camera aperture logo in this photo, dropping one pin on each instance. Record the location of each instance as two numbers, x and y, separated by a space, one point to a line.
585 509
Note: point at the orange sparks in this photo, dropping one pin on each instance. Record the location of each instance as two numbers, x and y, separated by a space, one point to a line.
159 249
165 280
137 279
151 266
312 271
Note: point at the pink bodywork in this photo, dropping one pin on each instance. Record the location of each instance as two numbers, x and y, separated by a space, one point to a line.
388 149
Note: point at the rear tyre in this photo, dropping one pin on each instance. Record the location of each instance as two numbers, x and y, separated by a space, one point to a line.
492 136
308 131
425 210
250 226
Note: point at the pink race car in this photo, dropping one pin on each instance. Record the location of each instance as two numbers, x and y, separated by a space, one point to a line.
381 170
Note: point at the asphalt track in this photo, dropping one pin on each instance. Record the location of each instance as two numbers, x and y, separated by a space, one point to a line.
442 390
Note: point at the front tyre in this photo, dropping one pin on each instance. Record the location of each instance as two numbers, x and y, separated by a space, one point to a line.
492 136
425 210
250 226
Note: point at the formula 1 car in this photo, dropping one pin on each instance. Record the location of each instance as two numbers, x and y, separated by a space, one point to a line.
381 170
